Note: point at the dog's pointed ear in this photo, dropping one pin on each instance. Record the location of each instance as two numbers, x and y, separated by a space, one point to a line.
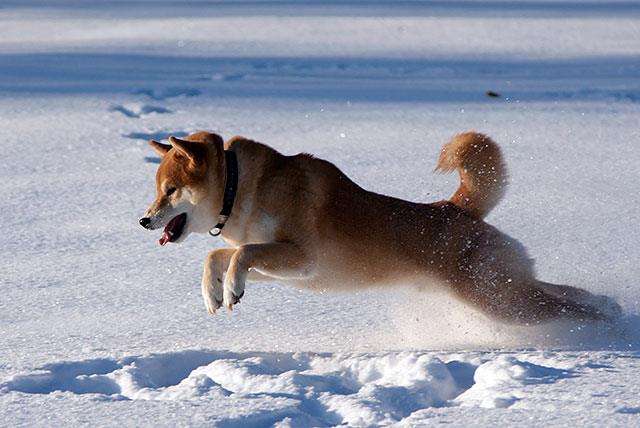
160 148
189 149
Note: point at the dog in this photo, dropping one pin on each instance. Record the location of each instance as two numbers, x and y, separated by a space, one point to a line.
299 220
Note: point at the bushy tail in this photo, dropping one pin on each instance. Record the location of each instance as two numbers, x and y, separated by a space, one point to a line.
483 175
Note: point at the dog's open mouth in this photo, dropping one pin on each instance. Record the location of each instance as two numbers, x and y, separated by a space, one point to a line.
173 229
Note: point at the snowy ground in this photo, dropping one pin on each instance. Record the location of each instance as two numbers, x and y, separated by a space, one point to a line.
101 326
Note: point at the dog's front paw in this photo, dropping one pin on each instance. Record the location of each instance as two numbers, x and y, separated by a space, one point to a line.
212 294
233 292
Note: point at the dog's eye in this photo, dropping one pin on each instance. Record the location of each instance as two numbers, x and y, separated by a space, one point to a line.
171 191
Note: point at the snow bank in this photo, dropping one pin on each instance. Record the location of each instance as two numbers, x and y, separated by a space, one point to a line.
304 389
360 390
311 389
318 389
497 382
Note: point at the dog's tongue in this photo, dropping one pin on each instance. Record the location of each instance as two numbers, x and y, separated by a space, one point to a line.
164 238
173 229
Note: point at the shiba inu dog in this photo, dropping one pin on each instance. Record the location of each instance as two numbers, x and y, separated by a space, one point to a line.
299 220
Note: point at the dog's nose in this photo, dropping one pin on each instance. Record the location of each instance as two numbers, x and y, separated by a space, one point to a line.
145 222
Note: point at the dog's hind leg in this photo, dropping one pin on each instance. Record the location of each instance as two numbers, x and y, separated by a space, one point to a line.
608 306
522 302
495 274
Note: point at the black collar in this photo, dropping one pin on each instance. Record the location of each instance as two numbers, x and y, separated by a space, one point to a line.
230 190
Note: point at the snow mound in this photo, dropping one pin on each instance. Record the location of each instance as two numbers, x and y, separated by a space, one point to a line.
498 382
294 388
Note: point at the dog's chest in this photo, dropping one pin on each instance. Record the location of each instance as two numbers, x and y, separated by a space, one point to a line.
259 226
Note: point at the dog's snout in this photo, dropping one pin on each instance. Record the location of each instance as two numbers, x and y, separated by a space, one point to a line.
145 222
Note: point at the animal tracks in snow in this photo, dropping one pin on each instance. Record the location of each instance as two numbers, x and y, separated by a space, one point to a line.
142 111
154 135
298 388
137 111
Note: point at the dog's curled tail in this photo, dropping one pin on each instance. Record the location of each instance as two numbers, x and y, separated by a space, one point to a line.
483 174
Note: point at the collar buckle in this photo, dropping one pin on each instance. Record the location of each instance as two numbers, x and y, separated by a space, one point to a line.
217 229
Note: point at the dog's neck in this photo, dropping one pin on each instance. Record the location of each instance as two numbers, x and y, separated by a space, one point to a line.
250 157
229 192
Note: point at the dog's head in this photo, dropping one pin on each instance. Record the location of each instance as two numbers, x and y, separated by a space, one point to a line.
188 185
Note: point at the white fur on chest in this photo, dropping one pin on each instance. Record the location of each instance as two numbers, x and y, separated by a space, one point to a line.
261 229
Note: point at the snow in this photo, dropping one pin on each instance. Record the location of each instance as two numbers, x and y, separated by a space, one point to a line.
311 389
100 326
